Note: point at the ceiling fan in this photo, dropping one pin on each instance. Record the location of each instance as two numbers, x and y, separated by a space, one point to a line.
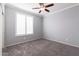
43 7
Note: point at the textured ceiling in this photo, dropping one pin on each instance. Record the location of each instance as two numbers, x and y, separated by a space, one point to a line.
29 6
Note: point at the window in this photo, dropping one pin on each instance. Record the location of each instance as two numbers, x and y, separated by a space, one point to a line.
20 24
24 24
29 23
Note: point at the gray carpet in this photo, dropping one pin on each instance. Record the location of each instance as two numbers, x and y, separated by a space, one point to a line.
41 47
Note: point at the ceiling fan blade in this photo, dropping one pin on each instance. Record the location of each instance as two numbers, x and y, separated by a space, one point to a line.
36 8
40 11
49 5
47 10
41 4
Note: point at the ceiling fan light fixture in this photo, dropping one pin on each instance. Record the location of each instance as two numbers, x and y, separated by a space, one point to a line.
42 8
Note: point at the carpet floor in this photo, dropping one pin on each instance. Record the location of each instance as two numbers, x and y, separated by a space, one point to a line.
41 47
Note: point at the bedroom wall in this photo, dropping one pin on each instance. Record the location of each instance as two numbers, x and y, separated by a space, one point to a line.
10 25
63 26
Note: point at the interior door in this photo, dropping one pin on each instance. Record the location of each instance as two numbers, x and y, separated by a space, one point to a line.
1 29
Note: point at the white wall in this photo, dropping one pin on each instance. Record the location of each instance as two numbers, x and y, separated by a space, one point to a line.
63 26
10 38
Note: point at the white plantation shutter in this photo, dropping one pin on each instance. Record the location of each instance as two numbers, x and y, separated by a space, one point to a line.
24 24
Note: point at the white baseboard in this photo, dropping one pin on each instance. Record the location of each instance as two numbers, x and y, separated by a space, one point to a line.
63 42
19 43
